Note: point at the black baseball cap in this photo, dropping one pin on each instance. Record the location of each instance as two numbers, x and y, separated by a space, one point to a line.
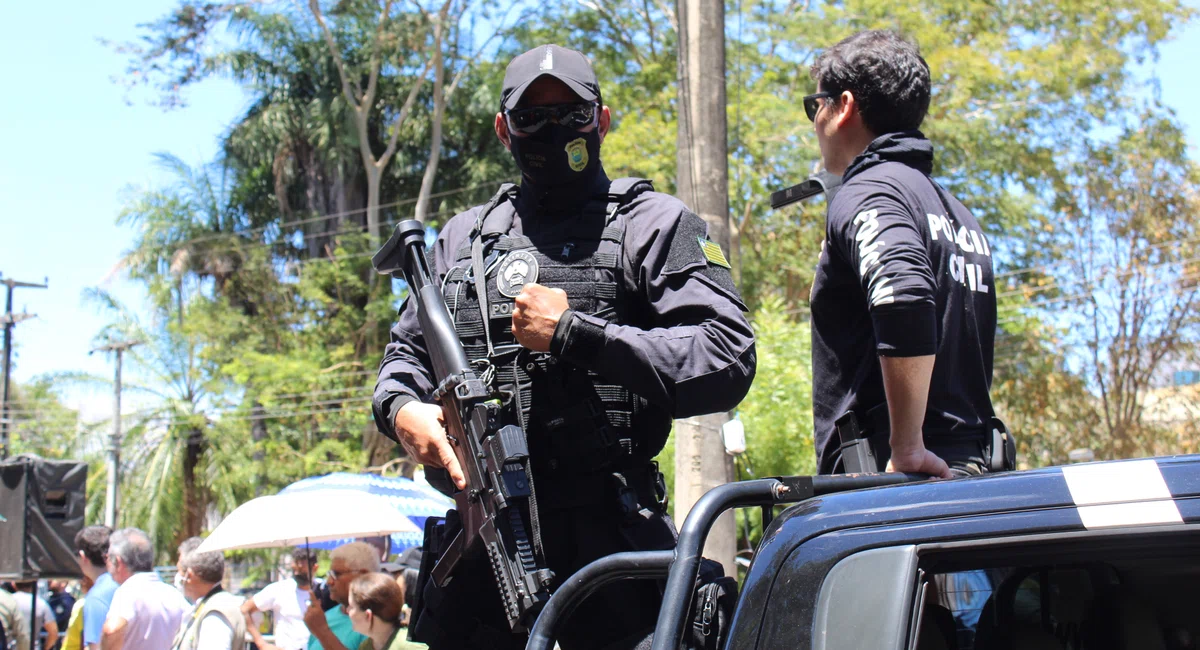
568 66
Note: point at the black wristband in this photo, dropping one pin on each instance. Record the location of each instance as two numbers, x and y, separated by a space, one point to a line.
398 403
561 332
581 341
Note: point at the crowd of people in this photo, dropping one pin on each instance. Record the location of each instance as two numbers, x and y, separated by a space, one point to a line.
125 605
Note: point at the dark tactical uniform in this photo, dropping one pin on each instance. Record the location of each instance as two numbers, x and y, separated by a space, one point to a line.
905 271
655 332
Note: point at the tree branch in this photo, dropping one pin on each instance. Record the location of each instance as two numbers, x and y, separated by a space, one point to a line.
347 89
376 64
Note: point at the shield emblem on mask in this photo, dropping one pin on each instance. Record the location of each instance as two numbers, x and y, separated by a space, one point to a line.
577 154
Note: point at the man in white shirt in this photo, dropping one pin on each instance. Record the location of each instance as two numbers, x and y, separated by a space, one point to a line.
287 600
12 624
146 612
45 617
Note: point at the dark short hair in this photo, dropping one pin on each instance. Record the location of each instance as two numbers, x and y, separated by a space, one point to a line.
93 542
410 585
300 554
885 73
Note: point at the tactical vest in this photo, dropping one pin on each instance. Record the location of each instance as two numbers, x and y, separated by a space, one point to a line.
575 420
223 604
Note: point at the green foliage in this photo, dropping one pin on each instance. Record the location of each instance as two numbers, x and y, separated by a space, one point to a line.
268 326
43 425
778 411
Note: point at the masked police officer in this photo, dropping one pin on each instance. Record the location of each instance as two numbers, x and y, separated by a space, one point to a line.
903 310
603 312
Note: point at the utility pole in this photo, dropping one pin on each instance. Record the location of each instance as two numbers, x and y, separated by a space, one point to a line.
10 319
702 162
114 444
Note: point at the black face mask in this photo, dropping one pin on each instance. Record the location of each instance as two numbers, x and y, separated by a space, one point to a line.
556 155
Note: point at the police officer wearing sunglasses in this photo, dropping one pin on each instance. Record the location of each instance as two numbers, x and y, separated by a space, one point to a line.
903 302
600 311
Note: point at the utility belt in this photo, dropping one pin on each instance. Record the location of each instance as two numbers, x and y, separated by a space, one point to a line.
865 443
630 488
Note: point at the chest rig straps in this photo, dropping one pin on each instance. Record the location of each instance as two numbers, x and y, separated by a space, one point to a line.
507 192
575 421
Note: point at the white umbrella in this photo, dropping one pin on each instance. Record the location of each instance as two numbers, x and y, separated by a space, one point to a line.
297 518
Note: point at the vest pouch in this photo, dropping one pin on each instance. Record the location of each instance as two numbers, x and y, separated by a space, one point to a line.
438 533
573 425
712 607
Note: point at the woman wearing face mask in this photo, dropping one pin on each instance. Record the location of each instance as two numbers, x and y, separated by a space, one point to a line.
375 605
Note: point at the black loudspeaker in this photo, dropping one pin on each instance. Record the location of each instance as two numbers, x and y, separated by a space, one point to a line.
42 503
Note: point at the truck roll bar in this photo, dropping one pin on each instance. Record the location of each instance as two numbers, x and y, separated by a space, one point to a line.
682 565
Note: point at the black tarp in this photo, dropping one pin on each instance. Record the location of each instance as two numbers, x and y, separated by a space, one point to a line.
43 502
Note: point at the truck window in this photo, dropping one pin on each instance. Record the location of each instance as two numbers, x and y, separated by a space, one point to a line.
1124 602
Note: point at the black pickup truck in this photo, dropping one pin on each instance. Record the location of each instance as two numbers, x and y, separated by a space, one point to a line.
1088 557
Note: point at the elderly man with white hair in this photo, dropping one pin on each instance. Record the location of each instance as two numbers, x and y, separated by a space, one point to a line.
332 630
145 613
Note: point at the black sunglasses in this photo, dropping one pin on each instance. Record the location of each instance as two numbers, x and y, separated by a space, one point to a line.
576 115
811 106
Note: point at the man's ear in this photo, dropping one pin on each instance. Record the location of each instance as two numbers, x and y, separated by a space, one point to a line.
847 110
502 131
605 122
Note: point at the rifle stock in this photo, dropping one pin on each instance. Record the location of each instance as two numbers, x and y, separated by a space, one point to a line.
495 507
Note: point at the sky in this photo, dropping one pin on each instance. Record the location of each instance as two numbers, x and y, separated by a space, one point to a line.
71 147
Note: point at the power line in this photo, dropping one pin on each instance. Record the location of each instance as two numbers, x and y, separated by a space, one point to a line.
331 215
1103 272
1052 265
155 416
1092 290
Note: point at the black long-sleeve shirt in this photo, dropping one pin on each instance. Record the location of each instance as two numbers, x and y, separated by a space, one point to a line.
697 354
905 271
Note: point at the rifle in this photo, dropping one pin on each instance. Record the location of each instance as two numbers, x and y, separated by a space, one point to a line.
495 507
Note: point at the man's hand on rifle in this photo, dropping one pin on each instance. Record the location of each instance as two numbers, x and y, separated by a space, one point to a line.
536 311
422 432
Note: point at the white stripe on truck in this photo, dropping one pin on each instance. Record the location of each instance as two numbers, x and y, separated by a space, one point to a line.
1127 493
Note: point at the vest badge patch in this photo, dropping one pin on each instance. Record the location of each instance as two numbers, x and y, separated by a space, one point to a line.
518 269
712 252
577 156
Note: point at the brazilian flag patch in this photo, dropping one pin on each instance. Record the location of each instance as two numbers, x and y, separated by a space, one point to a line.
712 252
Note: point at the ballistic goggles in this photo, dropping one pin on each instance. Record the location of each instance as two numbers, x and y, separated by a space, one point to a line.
575 115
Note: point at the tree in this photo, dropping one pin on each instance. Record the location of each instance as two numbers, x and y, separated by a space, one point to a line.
409 38
1128 280
43 424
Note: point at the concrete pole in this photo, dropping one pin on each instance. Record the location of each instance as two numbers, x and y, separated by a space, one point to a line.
9 319
703 184
114 452
114 443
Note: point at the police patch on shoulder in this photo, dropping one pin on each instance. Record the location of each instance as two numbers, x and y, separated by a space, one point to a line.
712 252
518 269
